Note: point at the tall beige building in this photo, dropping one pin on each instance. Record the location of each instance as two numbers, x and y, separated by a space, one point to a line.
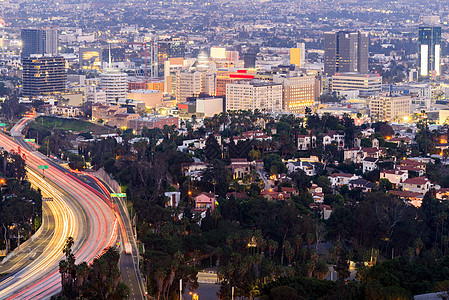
299 92
263 96
389 108
192 84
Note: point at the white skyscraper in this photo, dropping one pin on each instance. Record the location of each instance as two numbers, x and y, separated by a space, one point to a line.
115 85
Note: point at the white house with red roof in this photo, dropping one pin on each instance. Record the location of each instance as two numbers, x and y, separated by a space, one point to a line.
396 177
418 185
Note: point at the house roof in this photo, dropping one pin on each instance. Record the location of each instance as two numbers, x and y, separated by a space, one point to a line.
209 195
370 159
332 133
393 172
237 195
406 194
370 149
239 160
400 139
288 189
443 190
409 168
342 175
416 180
412 162
362 182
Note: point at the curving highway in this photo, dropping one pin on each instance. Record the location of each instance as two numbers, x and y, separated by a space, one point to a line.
78 211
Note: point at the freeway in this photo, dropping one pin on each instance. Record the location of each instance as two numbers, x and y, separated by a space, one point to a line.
78 211
129 263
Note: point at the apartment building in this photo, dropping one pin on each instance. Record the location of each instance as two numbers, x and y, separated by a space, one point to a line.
299 92
254 95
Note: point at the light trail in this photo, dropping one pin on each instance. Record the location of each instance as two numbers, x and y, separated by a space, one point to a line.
79 211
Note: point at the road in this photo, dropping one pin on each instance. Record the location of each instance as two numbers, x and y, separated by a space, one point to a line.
33 247
262 174
129 263
78 211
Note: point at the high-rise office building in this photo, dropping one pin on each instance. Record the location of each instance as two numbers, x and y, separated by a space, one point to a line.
345 51
249 60
43 75
192 84
39 41
429 51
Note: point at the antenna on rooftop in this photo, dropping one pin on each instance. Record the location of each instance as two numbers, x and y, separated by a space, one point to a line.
110 60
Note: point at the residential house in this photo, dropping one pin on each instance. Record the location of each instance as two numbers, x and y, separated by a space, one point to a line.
358 154
411 171
339 179
369 164
360 183
204 201
240 167
413 163
66 111
258 135
368 132
442 194
289 190
333 136
173 199
304 142
273 195
418 185
402 139
396 177
325 211
413 198
193 143
194 170
308 167
317 193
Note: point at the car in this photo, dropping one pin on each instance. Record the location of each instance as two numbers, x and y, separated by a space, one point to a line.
128 249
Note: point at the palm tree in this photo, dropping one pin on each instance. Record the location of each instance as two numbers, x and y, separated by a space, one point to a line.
298 242
418 245
310 267
272 247
310 238
289 251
